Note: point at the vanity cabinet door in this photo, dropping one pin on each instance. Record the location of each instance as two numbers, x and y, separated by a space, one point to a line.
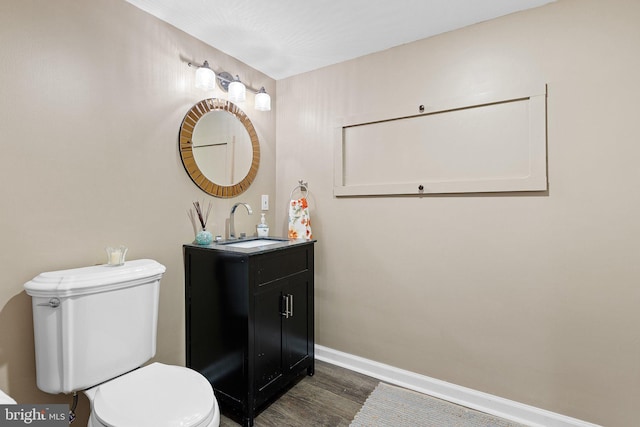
268 338
283 337
297 335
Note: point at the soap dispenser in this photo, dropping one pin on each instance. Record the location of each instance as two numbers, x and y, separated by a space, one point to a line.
263 228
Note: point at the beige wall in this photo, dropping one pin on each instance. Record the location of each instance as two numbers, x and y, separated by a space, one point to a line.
91 100
529 297
532 297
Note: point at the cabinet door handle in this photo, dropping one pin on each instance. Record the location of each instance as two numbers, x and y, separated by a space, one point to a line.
285 304
288 297
291 305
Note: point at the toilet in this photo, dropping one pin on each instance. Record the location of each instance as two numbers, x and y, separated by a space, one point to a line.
93 329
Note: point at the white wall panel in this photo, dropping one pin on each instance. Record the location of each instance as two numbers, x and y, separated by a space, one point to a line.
489 147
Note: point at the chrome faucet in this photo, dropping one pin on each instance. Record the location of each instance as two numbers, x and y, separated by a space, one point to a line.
232 230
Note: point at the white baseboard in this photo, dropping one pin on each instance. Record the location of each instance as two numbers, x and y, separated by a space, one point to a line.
484 402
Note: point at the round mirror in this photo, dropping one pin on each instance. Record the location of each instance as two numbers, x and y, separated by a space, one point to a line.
219 147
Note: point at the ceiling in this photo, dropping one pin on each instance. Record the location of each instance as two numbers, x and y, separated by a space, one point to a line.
282 38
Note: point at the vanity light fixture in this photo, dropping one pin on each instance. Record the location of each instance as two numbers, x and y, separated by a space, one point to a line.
206 78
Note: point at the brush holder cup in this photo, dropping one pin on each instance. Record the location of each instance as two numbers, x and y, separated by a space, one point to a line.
115 256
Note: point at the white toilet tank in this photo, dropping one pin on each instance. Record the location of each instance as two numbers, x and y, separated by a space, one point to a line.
92 324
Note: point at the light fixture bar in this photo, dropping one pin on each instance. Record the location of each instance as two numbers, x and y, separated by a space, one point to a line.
233 86
224 79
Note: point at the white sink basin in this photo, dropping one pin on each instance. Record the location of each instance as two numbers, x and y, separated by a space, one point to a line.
253 243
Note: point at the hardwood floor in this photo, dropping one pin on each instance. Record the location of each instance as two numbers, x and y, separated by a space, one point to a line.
332 397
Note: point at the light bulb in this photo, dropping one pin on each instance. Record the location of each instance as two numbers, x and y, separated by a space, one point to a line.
263 100
205 77
237 91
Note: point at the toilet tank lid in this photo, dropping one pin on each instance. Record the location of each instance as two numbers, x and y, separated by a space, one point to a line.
97 278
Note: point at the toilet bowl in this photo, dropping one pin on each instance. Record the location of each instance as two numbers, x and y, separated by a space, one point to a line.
93 329
156 395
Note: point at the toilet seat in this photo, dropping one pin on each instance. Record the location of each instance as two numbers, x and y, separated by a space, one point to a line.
156 395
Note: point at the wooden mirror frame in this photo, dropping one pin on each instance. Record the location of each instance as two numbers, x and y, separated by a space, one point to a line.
186 147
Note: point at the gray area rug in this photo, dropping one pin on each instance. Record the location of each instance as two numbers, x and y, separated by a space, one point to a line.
391 406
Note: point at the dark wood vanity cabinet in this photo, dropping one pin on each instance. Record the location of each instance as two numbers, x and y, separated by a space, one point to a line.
249 321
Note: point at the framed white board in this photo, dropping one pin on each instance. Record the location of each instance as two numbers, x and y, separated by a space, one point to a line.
486 143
